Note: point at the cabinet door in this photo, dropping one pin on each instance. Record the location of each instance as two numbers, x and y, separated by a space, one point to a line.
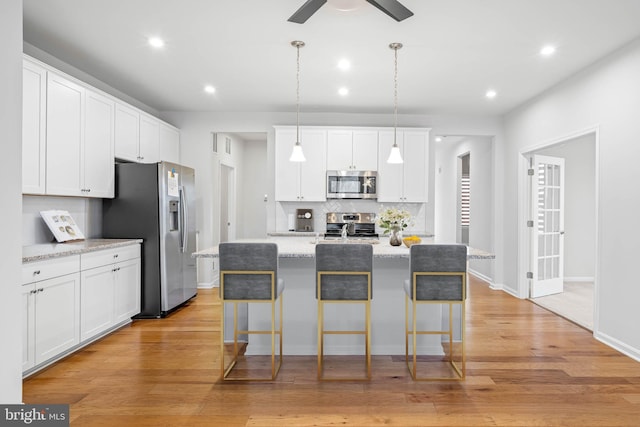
169 144
127 133
57 314
96 300
34 86
313 176
287 174
98 165
65 133
415 153
365 150
28 331
149 139
390 176
339 150
127 289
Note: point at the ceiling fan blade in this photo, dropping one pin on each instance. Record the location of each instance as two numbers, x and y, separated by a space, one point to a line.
305 12
393 8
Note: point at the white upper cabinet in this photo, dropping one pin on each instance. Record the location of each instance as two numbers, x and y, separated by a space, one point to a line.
137 135
65 134
301 181
79 140
408 181
98 171
34 108
352 149
71 133
169 144
149 149
127 129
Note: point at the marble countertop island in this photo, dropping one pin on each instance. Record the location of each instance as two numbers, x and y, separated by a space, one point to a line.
304 247
53 250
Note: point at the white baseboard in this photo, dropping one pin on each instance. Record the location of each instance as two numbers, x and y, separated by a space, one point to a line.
623 348
482 277
579 279
206 285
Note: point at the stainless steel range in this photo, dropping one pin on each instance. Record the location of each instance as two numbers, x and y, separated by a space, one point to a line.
352 224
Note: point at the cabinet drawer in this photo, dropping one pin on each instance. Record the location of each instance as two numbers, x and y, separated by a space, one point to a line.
43 270
109 256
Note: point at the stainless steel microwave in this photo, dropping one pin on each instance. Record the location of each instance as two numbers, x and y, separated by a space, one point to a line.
352 184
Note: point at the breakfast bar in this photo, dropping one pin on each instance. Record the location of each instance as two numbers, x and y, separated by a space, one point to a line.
297 267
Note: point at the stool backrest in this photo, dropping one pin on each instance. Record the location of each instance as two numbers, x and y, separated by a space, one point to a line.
254 259
351 258
439 272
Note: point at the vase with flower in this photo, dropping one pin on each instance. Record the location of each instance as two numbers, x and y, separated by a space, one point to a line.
393 221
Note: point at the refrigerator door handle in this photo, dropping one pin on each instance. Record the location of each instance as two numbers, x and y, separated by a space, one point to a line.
184 215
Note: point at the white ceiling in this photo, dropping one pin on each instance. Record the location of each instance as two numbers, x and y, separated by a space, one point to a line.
454 50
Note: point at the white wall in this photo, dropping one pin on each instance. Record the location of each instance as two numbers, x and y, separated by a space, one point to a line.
196 141
580 205
606 95
10 194
87 213
481 233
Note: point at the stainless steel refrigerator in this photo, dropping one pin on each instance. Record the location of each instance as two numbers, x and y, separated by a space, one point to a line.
156 202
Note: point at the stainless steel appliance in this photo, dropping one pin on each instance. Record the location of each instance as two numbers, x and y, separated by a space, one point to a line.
354 224
352 184
156 202
304 219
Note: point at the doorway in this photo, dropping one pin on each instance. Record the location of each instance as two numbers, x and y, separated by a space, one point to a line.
227 203
546 239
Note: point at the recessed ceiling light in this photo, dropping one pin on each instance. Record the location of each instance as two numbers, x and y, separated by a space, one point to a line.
491 94
209 89
548 50
156 42
344 64
438 139
343 91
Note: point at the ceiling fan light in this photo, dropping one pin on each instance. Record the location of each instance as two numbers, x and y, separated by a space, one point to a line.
296 154
394 156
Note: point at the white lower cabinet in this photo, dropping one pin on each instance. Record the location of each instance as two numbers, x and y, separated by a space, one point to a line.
70 301
96 301
110 289
51 314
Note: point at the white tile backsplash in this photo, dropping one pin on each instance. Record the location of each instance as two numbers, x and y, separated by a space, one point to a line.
320 209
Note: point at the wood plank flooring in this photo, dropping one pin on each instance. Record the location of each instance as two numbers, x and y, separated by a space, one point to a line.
525 367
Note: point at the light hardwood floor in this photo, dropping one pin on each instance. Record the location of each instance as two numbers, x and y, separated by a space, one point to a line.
525 367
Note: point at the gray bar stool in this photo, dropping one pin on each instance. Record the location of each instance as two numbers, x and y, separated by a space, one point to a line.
249 274
343 275
438 276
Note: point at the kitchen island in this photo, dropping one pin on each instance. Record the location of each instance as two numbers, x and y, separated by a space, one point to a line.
297 267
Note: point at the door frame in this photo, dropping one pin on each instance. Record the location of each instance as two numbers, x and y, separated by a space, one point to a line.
524 235
231 199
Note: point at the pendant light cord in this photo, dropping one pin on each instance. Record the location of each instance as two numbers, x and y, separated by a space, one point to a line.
298 95
395 96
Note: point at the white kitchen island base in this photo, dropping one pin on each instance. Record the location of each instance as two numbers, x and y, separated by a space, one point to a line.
390 269
300 333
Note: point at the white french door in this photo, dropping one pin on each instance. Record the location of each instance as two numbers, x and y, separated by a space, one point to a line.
547 202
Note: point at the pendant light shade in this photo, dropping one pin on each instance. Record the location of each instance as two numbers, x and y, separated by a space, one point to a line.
395 156
297 155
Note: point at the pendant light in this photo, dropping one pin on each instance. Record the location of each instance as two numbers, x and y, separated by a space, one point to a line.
297 155
395 156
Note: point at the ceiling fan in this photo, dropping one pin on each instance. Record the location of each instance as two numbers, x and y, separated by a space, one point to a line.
393 8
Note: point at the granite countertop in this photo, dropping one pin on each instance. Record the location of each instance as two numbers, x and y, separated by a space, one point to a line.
304 247
53 250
